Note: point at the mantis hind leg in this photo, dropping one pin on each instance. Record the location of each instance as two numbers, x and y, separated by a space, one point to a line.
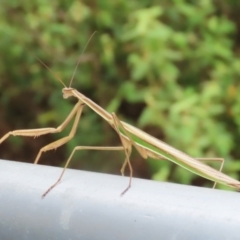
144 152
213 160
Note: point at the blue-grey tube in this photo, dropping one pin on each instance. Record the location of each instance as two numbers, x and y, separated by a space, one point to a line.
88 205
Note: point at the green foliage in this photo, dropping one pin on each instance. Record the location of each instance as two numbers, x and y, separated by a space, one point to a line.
171 69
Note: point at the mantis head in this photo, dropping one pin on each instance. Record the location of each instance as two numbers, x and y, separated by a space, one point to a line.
67 92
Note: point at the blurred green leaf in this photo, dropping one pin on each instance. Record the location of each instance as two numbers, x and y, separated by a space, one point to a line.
169 67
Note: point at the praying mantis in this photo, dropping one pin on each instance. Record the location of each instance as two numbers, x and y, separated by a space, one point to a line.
130 136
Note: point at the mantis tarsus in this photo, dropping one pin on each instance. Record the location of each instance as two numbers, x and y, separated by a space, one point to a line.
145 144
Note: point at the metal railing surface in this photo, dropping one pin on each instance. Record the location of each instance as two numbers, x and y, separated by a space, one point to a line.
87 205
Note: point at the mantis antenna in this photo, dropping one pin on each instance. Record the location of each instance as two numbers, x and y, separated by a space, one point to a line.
52 72
56 76
80 59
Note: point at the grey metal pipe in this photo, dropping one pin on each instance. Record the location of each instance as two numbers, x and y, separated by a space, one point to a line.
88 205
